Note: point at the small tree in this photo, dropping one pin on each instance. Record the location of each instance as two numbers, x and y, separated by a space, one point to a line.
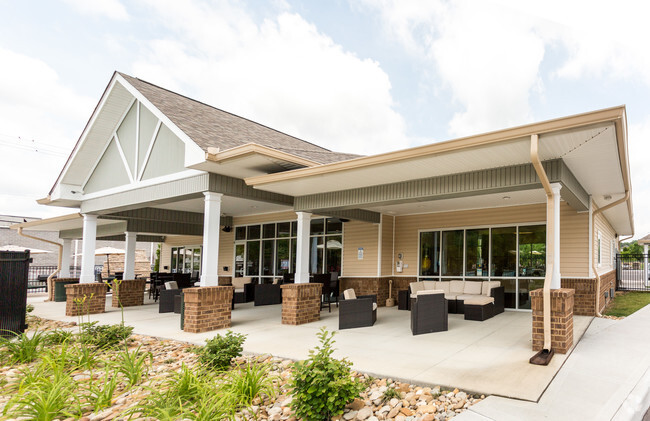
322 385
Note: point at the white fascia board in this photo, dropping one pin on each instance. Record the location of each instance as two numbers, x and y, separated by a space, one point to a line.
193 153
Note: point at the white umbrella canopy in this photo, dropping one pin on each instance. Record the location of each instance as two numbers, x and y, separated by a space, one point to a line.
107 251
32 250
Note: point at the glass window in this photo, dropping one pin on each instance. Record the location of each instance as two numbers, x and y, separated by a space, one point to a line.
316 255
240 233
252 258
181 255
510 292
317 227
429 253
196 265
532 250
334 247
253 232
452 253
477 246
267 257
239 260
174 259
282 257
284 229
269 231
294 229
188 261
294 247
504 251
334 226
525 287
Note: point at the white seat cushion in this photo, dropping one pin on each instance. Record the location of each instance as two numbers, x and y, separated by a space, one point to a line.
239 283
478 300
171 285
450 296
416 286
488 285
472 287
466 297
349 294
429 292
456 287
428 285
444 285
374 306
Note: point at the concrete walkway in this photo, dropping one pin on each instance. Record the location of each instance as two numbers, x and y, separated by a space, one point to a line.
489 357
607 377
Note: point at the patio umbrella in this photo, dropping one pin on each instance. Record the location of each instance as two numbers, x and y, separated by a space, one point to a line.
107 251
12 247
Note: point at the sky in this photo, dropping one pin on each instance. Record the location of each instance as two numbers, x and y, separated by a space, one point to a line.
359 76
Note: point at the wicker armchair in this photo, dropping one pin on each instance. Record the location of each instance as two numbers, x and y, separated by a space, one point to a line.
244 290
356 311
429 312
268 294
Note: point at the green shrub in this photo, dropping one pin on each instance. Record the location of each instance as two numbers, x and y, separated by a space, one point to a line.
322 385
391 393
243 384
23 348
100 393
219 351
104 336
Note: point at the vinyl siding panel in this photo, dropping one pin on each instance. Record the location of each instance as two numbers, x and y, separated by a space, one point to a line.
574 242
360 234
267 217
387 258
601 224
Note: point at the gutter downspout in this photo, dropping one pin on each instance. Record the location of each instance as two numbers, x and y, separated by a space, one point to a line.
58 265
593 260
539 169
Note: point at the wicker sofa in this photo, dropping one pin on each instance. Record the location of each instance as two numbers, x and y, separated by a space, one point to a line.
483 293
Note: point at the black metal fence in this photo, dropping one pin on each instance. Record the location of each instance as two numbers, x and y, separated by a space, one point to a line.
14 267
37 277
632 272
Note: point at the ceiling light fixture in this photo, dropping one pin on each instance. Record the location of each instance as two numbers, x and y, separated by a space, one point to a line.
607 197
506 197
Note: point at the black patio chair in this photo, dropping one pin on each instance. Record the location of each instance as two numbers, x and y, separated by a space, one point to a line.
429 313
356 311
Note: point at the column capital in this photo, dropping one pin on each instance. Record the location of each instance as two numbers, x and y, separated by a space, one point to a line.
303 215
209 195
89 216
556 187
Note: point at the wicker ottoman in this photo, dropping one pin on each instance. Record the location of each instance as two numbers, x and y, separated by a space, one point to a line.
479 308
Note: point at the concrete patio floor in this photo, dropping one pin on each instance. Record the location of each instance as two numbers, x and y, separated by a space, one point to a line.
489 357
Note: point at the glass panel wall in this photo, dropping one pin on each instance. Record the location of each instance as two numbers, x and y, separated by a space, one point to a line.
515 256
185 259
452 253
252 258
477 246
334 248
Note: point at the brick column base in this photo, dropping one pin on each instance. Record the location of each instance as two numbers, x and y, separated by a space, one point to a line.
207 308
300 303
82 299
128 292
561 319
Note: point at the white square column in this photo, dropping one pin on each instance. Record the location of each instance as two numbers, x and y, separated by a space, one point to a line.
66 256
129 256
553 220
88 249
302 248
211 228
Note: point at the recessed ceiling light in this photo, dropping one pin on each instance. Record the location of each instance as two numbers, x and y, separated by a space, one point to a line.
607 197
506 197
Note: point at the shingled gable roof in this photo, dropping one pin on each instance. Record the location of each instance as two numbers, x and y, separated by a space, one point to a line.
208 126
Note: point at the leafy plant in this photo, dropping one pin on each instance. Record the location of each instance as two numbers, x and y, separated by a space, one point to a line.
322 385
133 365
104 336
243 384
391 393
29 308
23 348
219 351
58 336
101 393
85 357
45 398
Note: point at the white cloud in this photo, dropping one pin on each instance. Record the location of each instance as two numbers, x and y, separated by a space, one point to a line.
111 9
38 109
281 72
639 150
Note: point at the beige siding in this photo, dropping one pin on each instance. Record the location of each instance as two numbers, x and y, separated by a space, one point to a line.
574 242
574 232
387 223
602 226
360 234
267 217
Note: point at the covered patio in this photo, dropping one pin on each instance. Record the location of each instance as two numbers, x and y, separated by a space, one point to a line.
489 357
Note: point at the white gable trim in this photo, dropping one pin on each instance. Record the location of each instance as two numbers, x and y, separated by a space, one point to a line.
149 149
138 184
193 152
124 161
137 139
113 135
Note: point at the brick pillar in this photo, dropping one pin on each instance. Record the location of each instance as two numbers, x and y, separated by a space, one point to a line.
561 319
82 299
129 292
301 303
207 308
